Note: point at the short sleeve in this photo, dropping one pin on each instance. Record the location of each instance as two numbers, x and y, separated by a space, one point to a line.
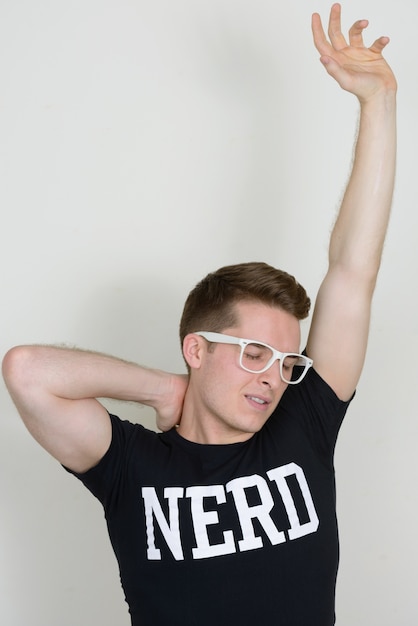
316 408
103 479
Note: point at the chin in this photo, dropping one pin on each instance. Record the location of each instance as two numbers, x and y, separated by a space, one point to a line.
255 425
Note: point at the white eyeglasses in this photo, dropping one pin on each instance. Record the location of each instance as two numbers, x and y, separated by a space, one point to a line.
256 357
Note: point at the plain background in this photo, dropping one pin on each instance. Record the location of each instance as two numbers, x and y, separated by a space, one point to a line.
143 144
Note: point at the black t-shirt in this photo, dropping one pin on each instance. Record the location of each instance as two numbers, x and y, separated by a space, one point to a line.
227 534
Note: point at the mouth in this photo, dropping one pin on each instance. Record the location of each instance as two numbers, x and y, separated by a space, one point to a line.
258 401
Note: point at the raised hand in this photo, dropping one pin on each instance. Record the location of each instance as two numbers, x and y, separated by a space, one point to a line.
360 70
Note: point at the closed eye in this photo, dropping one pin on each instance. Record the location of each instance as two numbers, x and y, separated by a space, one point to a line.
252 357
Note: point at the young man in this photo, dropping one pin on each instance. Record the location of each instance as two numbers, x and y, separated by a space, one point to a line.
230 518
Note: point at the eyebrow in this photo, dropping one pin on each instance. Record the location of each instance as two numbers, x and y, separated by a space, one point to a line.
293 354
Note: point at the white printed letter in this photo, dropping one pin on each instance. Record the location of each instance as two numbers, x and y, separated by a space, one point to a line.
279 476
202 519
261 511
170 530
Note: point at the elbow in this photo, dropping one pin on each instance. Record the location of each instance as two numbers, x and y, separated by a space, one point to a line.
362 263
18 366
356 270
357 283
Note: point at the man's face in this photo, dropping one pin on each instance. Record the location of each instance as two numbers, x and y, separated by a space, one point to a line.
228 403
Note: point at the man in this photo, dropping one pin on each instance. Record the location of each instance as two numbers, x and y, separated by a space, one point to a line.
230 517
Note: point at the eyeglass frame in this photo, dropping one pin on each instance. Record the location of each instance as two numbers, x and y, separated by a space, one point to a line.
213 337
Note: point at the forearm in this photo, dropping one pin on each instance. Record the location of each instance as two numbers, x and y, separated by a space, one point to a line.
76 374
358 235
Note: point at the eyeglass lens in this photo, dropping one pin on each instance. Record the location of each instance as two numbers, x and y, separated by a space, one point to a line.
256 357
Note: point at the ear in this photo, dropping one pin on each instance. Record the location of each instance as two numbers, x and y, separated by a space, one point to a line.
193 349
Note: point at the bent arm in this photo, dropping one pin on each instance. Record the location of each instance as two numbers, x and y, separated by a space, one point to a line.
338 337
55 391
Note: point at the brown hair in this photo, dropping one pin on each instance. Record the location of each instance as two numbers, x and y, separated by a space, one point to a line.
210 305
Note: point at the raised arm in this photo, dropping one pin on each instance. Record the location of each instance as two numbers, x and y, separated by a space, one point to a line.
338 337
55 391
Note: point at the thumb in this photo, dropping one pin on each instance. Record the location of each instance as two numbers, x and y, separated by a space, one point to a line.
335 70
330 64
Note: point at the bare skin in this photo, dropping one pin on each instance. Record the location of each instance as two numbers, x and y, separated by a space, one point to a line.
342 312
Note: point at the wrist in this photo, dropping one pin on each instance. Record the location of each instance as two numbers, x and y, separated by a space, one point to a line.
152 387
384 99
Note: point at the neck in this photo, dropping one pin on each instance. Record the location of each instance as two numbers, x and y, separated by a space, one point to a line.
200 426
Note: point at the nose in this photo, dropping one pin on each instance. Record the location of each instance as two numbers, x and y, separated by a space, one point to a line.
271 377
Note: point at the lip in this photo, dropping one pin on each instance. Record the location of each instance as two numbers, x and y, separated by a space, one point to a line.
261 403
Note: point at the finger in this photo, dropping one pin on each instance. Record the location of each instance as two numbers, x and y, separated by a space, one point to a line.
321 43
379 45
334 28
356 33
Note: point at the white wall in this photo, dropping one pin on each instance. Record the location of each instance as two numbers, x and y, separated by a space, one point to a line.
143 144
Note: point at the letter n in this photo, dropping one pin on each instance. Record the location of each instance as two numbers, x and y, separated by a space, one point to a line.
171 529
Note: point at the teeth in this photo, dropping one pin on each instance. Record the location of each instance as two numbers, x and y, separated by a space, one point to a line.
259 400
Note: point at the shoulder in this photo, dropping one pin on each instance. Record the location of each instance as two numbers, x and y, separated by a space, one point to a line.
313 407
130 443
